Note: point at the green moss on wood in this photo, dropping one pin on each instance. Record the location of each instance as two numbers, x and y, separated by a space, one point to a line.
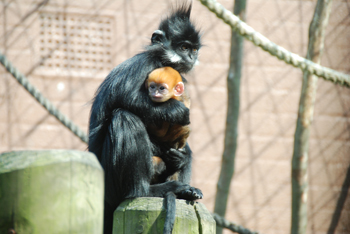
147 215
52 191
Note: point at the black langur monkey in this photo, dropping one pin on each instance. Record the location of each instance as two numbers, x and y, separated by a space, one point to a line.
121 109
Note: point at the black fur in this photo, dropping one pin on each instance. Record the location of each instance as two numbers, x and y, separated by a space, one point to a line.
122 108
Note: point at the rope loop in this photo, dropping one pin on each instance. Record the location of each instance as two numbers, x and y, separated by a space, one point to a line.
282 54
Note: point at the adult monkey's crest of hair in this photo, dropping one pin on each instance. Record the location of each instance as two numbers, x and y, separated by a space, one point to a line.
178 24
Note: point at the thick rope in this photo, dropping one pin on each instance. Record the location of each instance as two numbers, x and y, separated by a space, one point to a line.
281 53
220 221
42 100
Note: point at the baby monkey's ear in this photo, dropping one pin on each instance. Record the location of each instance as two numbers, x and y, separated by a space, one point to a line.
179 89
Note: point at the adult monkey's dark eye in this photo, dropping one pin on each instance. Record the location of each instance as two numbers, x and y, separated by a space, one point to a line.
184 47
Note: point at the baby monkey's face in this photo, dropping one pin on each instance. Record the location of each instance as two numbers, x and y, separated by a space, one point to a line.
159 92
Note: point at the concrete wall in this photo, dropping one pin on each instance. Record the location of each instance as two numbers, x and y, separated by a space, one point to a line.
66 48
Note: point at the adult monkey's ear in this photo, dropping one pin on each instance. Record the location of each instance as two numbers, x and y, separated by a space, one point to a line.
179 89
158 37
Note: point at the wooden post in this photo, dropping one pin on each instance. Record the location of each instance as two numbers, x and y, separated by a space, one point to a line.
300 158
146 215
51 191
232 115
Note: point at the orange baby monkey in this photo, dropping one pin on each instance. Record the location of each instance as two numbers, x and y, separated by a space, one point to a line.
165 83
162 84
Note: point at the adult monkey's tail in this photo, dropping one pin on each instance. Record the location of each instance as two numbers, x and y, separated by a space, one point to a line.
170 207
